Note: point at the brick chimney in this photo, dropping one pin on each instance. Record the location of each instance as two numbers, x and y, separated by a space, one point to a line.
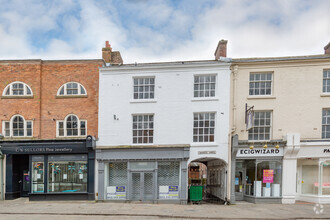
111 57
221 50
327 49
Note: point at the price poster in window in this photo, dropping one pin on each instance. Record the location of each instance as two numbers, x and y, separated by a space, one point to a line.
168 192
268 176
116 192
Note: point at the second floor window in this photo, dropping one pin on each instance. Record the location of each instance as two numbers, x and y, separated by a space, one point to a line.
71 89
260 84
71 127
17 89
143 129
326 123
204 86
326 81
262 126
204 126
144 88
17 127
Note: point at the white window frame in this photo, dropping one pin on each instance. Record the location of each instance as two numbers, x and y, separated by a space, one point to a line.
197 91
11 130
144 85
326 81
261 81
65 128
10 87
325 123
196 128
270 126
143 129
64 86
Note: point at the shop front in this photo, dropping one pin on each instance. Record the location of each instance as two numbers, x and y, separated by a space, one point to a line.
50 170
158 175
313 172
257 172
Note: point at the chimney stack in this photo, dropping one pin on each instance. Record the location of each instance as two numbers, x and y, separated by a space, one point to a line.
221 50
327 49
111 57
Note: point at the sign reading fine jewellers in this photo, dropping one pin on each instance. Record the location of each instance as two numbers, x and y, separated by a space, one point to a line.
259 152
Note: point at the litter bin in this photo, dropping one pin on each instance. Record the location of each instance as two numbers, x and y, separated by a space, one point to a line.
196 194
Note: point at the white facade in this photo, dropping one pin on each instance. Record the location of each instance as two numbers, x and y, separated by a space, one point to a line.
173 107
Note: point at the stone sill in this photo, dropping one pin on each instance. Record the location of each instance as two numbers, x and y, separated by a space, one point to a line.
325 95
70 96
143 101
17 97
262 97
205 99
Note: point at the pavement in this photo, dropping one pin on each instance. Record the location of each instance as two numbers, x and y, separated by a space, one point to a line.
22 208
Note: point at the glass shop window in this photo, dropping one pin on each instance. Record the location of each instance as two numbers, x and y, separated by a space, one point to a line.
168 179
37 177
117 186
310 176
64 176
326 178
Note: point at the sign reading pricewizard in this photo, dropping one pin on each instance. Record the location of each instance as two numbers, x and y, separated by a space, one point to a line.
168 192
116 192
259 152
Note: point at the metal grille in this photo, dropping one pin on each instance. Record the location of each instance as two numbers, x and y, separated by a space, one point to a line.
118 174
168 173
148 186
136 186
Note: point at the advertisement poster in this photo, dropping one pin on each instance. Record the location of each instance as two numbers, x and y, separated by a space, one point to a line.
268 176
236 181
116 192
168 192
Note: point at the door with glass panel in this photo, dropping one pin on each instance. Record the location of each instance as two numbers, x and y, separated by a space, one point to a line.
142 186
239 184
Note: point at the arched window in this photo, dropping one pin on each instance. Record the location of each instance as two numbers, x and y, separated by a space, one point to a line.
17 127
17 89
71 89
71 126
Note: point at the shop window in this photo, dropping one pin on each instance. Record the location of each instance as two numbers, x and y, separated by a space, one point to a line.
263 178
325 177
116 188
326 123
143 129
71 126
204 127
260 84
17 127
168 179
204 86
17 89
37 177
310 176
72 89
261 129
67 177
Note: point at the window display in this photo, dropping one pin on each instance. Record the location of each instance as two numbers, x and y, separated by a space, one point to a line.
37 177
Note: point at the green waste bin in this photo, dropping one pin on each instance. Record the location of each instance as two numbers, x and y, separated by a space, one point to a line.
196 193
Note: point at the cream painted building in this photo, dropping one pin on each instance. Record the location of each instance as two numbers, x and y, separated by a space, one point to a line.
282 154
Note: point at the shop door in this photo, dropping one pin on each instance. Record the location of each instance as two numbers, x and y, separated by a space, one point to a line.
239 185
25 183
142 186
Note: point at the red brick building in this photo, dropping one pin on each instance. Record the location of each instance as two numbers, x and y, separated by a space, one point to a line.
48 109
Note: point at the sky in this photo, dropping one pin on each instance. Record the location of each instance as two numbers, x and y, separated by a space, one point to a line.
162 30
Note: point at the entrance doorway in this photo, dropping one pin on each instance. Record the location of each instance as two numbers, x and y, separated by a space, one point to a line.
142 186
239 185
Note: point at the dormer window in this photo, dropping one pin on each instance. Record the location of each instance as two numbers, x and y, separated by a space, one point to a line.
17 89
72 89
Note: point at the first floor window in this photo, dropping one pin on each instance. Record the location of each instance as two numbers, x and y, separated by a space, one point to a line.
326 123
143 129
260 84
262 126
71 126
326 81
204 126
17 127
204 86
144 88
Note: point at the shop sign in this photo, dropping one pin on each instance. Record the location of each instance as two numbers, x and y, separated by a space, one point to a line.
116 192
259 152
268 176
168 192
48 149
326 150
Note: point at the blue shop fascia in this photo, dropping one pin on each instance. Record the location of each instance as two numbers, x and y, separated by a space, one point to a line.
49 169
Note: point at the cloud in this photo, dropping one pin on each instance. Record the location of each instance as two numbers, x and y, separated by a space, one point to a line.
150 31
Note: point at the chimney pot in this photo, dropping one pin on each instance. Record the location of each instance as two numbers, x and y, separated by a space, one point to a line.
221 50
327 49
111 57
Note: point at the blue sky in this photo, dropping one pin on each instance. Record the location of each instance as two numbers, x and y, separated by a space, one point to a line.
162 30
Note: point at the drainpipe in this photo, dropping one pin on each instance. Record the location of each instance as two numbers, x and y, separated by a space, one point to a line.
2 191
